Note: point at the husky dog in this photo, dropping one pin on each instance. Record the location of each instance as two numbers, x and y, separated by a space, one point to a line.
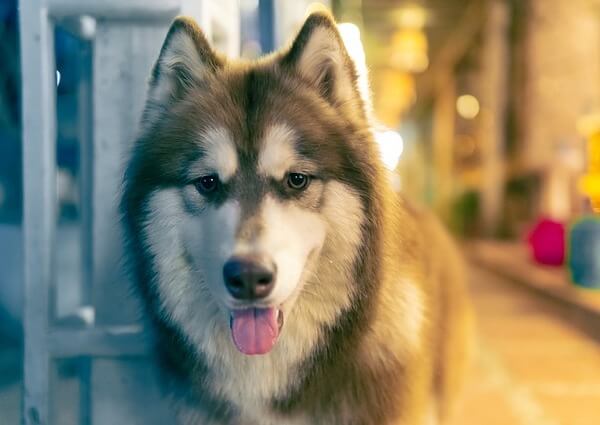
285 282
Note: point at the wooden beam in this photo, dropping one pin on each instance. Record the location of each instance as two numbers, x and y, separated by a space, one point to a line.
39 201
115 341
453 51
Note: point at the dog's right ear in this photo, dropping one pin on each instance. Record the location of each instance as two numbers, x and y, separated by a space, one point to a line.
319 56
185 61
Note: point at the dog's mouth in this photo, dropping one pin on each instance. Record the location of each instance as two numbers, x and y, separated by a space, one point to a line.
256 330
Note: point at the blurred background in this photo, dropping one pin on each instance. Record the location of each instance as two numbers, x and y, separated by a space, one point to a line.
488 111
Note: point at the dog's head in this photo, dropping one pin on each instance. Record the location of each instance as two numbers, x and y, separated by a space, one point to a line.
248 187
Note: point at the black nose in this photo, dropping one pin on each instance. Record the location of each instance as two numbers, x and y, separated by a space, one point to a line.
248 278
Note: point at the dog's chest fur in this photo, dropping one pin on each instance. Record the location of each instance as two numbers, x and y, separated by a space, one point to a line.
251 385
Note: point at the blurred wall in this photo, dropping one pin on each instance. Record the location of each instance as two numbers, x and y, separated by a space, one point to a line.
562 75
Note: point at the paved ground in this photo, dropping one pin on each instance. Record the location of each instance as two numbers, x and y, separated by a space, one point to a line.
535 366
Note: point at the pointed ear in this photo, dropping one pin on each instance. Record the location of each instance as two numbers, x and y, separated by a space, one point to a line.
319 56
185 61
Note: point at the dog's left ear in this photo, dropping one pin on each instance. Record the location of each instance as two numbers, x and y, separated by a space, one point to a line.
319 56
186 61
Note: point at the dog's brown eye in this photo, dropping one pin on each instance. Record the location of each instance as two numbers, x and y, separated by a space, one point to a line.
297 181
207 184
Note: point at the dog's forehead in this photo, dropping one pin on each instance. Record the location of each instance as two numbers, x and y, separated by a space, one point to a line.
272 154
254 124
219 153
277 151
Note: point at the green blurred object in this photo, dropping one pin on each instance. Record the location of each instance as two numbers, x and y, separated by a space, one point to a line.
464 214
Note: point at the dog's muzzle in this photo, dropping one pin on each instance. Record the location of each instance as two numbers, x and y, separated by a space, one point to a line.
254 329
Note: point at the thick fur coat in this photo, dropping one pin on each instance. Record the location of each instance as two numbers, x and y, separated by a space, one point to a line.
275 158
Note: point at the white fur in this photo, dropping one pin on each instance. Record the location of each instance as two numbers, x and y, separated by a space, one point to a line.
162 226
290 234
413 313
180 50
209 239
277 155
220 155
322 52
399 319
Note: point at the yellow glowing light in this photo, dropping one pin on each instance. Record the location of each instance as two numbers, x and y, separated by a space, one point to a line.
409 50
467 106
589 184
412 16
589 124
391 146
396 92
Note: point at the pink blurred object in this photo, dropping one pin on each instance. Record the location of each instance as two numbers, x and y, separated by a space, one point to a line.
547 242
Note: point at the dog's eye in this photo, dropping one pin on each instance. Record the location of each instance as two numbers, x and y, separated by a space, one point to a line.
207 184
297 181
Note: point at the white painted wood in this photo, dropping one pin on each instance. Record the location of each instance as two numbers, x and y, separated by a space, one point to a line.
221 22
289 17
120 387
39 201
123 56
114 341
127 10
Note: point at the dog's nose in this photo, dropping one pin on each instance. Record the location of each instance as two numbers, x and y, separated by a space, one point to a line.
248 278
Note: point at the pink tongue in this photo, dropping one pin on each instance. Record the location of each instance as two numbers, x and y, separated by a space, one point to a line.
254 330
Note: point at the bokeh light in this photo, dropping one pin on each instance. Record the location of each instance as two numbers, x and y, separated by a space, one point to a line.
467 106
391 146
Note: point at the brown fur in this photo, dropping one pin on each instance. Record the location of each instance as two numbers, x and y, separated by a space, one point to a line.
399 350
